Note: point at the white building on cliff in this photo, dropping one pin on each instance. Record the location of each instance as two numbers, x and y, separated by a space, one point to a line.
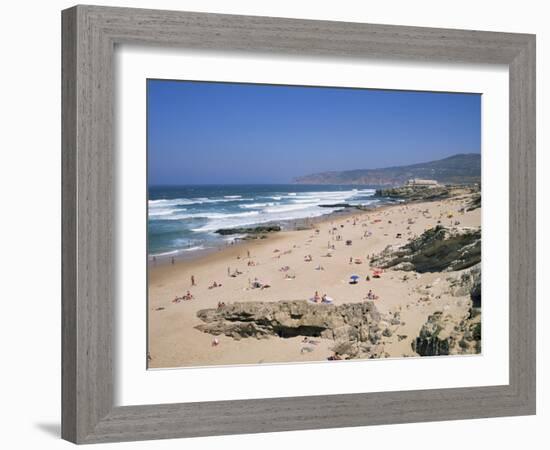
423 183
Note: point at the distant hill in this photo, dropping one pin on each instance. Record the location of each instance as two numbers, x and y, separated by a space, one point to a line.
457 169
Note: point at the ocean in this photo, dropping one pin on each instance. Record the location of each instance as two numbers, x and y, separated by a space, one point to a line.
183 219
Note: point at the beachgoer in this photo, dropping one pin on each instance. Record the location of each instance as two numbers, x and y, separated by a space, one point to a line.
192 280
172 260
316 297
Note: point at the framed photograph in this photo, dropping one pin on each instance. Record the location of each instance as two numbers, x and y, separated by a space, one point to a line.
278 224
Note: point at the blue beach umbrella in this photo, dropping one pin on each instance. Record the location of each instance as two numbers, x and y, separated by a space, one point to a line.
354 277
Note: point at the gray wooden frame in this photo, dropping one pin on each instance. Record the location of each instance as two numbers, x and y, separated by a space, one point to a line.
89 37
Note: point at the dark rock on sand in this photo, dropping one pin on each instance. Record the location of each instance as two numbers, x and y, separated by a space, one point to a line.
474 203
443 335
253 230
429 342
468 283
336 205
437 249
347 206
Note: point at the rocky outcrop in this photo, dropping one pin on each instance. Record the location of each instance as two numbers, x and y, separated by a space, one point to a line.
336 205
433 338
437 249
356 328
253 230
468 283
347 206
426 193
474 203
289 319
443 335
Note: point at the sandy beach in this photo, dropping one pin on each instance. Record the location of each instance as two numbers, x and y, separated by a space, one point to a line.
175 342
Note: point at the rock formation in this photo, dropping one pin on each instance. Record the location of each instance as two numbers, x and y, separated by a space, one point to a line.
253 230
356 328
443 335
468 283
437 249
474 203
427 193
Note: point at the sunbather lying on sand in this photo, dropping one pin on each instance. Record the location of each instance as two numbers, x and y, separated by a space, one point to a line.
187 296
256 284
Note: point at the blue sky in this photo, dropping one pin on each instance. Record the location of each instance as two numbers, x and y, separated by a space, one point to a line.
217 133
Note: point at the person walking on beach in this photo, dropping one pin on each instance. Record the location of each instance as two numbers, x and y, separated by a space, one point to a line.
172 260
193 280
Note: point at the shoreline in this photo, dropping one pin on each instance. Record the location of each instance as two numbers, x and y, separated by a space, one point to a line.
174 340
286 226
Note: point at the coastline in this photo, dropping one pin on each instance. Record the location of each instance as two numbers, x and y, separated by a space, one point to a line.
183 220
175 342
286 225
